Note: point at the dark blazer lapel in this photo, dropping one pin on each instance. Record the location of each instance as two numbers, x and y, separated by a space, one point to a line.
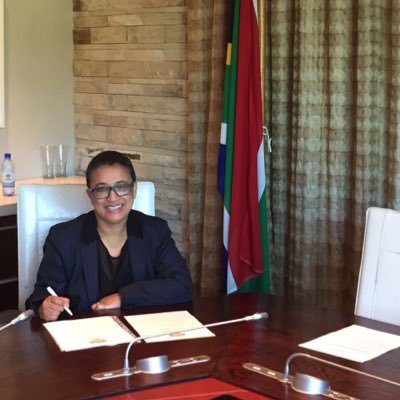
90 263
138 252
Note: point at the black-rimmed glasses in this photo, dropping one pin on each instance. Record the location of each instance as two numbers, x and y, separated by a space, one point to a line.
120 189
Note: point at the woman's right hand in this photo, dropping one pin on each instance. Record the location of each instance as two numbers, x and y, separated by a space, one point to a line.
52 307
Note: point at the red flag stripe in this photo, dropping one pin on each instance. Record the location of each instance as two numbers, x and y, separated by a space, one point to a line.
245 254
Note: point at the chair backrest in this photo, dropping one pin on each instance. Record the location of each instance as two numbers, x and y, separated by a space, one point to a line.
378 293
41 206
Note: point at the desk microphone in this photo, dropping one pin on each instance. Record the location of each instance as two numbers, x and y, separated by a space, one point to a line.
308 384
157 361
20 318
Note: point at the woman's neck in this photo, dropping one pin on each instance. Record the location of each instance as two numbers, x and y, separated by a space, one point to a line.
113 237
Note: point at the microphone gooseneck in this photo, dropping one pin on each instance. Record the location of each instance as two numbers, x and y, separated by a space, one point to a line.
255 317
23 317
286 373
20 318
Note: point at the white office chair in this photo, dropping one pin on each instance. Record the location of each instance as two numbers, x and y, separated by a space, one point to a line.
378 293
41 206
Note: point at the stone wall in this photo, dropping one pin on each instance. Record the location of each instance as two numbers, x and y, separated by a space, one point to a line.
130 92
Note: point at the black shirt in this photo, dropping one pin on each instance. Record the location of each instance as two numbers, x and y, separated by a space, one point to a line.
114 272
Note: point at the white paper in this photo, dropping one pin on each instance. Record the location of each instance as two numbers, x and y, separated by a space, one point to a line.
86 333
172 324
355 343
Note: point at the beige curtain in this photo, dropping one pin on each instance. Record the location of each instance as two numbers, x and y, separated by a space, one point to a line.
333 92
208 28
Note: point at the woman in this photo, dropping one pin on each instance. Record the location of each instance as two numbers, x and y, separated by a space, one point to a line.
113 256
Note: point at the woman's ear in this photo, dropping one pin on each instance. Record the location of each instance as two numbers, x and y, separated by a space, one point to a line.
90 195
134 190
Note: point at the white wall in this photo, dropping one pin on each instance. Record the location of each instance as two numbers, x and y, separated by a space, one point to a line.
38 81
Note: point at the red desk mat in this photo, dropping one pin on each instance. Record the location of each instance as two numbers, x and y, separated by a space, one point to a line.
200 389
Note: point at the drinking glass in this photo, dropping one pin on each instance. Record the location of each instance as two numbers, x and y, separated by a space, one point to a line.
60 159
47 157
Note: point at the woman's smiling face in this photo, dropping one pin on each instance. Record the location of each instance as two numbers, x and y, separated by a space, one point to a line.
113 209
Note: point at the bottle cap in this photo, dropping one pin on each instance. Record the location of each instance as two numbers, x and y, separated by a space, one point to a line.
7 155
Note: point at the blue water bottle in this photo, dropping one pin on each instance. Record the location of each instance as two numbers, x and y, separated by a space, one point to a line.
8 175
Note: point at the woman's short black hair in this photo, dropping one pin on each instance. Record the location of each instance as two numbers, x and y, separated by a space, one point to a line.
109 157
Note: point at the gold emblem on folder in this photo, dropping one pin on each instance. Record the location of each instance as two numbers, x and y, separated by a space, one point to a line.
97 340
177 334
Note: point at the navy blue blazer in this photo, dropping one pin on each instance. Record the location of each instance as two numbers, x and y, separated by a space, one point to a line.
70 264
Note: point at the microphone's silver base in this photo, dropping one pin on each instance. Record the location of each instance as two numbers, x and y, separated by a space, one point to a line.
301 383
152 365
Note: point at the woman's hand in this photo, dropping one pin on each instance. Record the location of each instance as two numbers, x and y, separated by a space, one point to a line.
52 307
108 302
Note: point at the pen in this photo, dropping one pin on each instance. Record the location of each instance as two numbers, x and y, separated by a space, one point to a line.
53 293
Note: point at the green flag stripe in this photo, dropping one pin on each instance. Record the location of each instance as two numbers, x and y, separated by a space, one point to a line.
231 110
